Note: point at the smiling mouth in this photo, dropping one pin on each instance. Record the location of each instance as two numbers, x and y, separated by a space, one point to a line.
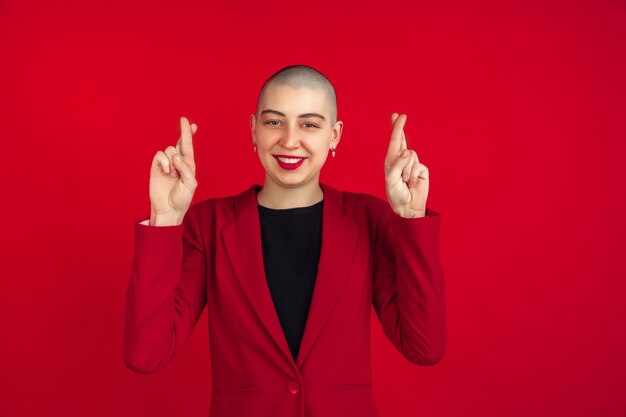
289 163
286 160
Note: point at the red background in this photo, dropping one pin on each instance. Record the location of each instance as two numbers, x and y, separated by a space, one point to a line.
517 110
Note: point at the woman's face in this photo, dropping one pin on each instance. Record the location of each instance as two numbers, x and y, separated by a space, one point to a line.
293 123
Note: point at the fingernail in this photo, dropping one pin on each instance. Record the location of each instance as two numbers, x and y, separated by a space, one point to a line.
177 157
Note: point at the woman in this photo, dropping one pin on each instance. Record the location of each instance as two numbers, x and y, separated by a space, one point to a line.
288 271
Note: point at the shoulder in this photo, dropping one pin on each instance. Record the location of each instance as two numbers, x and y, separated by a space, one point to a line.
220 208
361 199
213 203
360 206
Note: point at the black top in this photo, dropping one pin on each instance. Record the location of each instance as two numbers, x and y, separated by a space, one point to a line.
292 242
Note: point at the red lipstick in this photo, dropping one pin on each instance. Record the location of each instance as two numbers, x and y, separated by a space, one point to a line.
286 165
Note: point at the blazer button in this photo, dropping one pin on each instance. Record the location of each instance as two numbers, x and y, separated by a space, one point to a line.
294 387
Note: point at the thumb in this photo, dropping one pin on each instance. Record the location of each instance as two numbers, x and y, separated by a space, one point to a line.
186 175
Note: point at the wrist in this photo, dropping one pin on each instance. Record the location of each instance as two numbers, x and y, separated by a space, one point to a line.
409 214
165 219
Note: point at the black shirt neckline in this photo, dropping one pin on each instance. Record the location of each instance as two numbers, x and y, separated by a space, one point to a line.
307 209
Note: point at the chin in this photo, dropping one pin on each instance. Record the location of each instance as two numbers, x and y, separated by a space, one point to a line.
294 182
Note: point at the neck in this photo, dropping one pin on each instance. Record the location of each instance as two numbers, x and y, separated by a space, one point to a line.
275 196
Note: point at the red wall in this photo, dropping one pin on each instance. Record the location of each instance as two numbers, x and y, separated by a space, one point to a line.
517 110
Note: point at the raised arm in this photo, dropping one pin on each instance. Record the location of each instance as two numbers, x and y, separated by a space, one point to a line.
167 290
409 287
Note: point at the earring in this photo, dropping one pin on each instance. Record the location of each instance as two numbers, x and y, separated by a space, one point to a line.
333 149
254 148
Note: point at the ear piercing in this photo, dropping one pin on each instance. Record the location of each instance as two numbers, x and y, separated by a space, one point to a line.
254 148
333 149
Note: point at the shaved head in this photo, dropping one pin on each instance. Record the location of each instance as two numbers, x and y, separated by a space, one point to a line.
303 76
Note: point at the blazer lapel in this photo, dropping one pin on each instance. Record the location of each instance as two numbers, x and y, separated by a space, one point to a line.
339 241
242 240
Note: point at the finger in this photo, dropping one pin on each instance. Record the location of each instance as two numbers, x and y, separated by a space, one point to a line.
419 172
417 157
393 119
194 129
186 174
186 143
403 144
396 143
395 172
170 151
406 171
161 160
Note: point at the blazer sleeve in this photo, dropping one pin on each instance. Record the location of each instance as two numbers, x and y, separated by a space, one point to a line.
166 294
408 285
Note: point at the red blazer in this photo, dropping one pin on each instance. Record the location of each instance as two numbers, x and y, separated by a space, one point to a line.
370 257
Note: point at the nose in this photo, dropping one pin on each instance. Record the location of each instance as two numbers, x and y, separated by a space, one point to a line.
290 139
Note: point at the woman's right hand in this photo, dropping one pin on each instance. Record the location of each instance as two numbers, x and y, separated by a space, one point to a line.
173 179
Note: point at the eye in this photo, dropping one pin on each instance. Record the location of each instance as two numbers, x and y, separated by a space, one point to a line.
311 125
272 122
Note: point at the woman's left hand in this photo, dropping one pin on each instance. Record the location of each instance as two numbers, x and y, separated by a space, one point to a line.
406 179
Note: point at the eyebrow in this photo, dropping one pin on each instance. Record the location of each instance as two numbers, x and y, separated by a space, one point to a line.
299 116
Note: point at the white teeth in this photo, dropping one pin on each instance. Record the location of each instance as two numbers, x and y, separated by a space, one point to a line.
289 160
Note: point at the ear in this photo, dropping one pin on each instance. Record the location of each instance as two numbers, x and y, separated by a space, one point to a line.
336 135
253 127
